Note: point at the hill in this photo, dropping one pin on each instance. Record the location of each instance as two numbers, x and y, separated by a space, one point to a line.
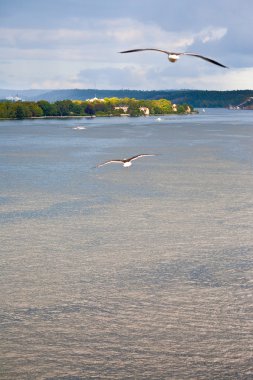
24 94
196 98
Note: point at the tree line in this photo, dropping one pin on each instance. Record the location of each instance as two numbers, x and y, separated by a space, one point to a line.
98 107
197 98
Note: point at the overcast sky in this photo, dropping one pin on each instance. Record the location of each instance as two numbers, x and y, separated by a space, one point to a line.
56 44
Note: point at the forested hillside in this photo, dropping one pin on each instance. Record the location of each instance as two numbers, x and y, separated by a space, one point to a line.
196 98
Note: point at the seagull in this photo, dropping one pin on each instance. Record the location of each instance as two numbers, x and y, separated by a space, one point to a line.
173 57
126 161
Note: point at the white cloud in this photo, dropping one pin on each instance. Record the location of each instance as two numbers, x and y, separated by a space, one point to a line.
85 57
26 38
113 34
100 45
135 77
212 34
238 79
92 46
136 33
57 84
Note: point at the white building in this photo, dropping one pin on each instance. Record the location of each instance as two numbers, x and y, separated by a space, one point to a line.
14 98
145 110
95 99
123 108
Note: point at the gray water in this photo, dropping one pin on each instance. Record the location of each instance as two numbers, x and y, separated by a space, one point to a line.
127 273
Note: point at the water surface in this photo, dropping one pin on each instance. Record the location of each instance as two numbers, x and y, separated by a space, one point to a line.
139 273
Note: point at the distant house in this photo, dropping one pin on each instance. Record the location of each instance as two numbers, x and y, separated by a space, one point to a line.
145 110
14 98
123 108
95 99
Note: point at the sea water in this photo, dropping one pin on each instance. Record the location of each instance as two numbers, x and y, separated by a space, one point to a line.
127 273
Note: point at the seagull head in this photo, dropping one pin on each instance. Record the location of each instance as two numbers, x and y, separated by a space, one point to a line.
173 57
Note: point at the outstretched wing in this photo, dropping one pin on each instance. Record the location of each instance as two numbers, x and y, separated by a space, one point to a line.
169 52
109 162
135 50
139 156
206 59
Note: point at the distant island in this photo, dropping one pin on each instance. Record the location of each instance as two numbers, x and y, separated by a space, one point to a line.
17 109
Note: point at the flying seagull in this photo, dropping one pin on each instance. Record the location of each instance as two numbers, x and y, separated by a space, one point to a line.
173 57
126 161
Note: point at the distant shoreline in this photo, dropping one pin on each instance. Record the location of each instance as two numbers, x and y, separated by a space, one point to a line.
95 116
107 107
51 117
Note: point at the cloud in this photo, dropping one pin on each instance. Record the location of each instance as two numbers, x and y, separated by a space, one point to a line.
80 47
237 79
139 77
104 78
212 34
88 57
134 77
131 31
113 34
125 77
47 84
37 38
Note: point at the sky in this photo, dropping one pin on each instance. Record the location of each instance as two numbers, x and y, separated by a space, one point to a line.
66 44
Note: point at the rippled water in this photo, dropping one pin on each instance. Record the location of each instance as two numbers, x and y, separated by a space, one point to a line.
139 273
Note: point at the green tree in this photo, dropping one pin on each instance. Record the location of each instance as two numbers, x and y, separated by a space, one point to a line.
34 110
46 107
134 110
162 106
3 110
64 107
20 113
76 109
89 109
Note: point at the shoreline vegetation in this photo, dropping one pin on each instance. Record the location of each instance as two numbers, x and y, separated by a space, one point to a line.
106 107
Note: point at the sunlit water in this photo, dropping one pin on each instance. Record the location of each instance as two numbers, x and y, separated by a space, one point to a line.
127 273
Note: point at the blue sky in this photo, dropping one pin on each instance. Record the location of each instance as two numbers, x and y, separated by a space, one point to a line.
60 44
